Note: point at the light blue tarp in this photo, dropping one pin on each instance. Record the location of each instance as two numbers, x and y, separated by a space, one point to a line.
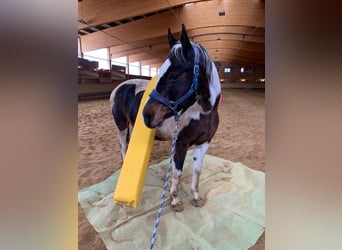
233 216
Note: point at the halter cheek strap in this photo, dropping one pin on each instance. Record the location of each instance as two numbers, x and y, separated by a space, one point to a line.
193 89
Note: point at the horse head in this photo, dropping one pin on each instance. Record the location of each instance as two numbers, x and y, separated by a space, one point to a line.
183 79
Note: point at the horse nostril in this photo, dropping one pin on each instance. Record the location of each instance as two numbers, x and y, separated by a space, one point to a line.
147 120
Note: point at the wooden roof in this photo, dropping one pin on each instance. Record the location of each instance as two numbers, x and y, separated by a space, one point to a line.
138 29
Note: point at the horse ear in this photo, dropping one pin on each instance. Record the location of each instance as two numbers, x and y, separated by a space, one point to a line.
186 45
172 40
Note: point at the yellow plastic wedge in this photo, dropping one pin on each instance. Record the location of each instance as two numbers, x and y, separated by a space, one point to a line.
132 175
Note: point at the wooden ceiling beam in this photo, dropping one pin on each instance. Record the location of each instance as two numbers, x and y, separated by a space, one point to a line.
126 53
230 37
241 13
245 46
159 52
140 57
240 34
97 12
155 65
122 47
236 58
230 52
239 60
154 47
223 28
154 61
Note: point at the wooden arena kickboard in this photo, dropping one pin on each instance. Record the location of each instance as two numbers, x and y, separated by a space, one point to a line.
132 175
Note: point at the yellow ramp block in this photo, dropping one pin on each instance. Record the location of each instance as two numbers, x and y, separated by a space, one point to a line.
132 175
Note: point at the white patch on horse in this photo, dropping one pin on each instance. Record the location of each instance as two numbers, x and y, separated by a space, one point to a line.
165 131
214 85
176 174
140 85
199 152
211 74
192 113
165 66
111 98
177 51
123 142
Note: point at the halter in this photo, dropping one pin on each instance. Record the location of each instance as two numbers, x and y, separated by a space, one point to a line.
193 89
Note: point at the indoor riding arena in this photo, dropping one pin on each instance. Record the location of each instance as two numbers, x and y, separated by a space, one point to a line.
122 40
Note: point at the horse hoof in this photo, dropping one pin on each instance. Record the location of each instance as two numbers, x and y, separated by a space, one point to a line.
198 203
177 207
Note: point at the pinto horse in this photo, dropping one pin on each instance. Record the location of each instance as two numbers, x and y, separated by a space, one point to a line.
187 91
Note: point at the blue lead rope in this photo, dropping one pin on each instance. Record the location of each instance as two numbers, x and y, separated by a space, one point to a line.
173 106
173 149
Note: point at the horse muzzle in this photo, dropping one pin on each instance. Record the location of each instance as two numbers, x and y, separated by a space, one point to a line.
154 114
150 121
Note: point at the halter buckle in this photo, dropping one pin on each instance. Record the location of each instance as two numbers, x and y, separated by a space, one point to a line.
172 105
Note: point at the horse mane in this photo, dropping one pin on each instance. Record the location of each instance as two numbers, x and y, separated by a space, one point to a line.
177 52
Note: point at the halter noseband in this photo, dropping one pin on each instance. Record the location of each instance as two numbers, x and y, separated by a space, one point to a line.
193 89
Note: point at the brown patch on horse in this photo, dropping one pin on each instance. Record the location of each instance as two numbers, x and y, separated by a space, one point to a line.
155 114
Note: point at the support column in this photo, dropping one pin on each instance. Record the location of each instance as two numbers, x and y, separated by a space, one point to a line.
127 65
109 61
80 45
140 69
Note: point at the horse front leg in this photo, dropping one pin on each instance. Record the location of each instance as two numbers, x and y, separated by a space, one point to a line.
177 170
124 138
176 202
199 152
123 141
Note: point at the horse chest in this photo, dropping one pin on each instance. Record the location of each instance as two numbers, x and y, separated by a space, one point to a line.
165 131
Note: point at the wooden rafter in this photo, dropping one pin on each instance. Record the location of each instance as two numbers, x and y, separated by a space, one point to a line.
239 35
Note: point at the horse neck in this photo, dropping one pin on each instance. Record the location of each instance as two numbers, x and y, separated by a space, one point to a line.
203 91
209 84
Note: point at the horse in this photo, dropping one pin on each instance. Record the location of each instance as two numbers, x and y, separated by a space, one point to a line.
187 91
